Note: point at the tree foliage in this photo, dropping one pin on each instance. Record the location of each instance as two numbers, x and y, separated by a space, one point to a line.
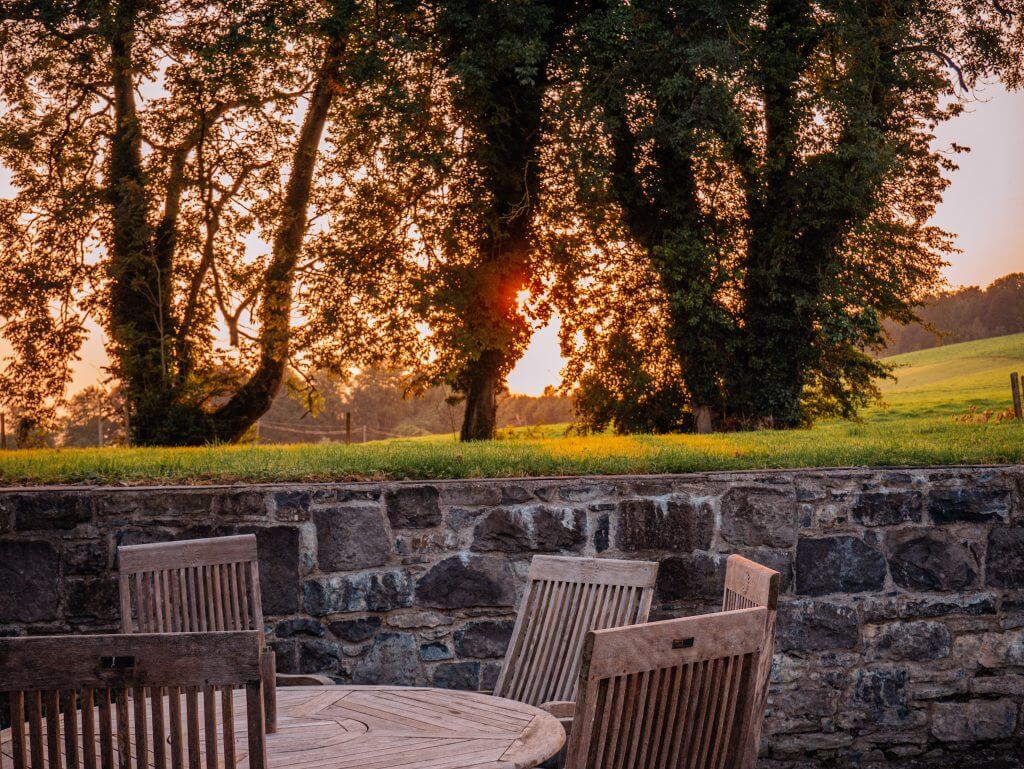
962 315
151 144
766 172
723 200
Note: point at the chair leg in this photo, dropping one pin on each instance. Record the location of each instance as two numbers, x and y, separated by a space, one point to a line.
268 666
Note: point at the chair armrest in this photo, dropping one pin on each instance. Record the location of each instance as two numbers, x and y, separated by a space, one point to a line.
560 708
284 679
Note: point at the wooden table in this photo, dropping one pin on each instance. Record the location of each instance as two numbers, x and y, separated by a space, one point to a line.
385 727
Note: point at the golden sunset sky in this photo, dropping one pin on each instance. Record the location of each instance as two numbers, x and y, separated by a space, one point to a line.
984 206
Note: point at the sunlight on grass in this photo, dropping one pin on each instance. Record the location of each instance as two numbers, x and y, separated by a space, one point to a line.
914 427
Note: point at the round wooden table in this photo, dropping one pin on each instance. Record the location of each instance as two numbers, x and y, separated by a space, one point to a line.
390 727
384 727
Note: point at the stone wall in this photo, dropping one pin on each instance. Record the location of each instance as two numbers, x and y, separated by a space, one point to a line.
901 634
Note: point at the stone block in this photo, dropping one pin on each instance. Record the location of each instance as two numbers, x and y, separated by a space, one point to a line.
317 655
286 655
912 641
540 529
278 548
393 660
60 510
94 600
239 505
882 695
975 720
350 537
299 626
457 675
90 557
838 565
486 638
29 590
968 504
412 507
371 591
887 508
759 517
602 534
931 560
694 577
680 525
806 626
355 630
434 651
463 581
292 505
1004 564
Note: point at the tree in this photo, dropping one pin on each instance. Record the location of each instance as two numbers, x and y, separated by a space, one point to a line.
148 141
962 315
771 167
497 57
93 417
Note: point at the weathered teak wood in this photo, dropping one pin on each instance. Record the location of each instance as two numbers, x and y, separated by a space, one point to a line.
751 585
665 695
362 727
197 585
106 701
565 598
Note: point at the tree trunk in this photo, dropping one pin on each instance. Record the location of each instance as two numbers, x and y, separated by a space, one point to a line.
780 292
231 421
140 284
705 420
484 380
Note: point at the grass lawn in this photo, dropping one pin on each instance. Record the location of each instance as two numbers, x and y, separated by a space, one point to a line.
915 426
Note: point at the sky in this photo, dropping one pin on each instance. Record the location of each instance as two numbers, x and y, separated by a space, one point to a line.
984 206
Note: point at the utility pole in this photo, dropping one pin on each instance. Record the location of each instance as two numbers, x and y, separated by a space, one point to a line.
3 431
364 433
348 427
99 430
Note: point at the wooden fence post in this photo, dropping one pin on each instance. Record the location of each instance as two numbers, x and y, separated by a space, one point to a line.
348 427
1015 387
3 431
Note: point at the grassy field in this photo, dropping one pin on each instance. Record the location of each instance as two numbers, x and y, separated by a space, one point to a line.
915 426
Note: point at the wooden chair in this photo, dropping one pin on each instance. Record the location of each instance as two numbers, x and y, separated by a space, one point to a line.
751 585
678 693
565 598
197 585
116 701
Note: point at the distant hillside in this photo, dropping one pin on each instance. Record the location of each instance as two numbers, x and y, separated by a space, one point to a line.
952 378
963 315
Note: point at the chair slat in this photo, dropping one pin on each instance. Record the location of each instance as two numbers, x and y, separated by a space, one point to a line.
17 704
141 728
227 707
669 695
564 599
35 729
156 701
192 726
106 730
88 728
69 707
175 737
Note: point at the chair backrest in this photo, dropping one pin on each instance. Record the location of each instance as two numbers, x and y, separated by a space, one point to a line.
751 585
115 701
565 598
197 585
678 693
